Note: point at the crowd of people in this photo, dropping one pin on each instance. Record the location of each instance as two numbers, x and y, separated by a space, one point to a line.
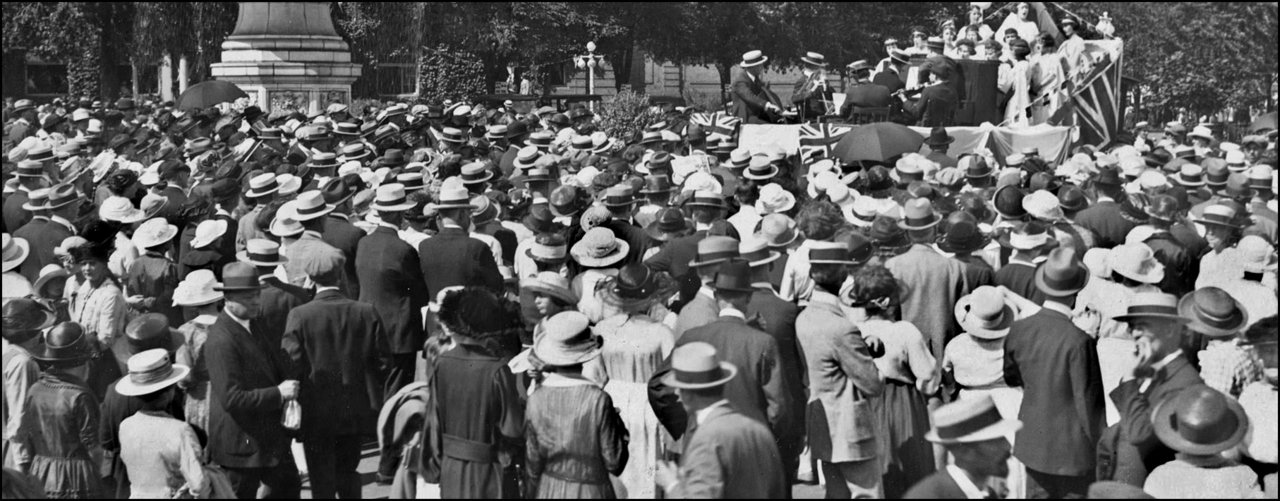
524 305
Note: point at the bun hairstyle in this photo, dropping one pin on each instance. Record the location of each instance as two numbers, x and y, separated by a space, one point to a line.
875 289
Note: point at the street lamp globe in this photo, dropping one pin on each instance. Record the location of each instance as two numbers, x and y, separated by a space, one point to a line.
591 46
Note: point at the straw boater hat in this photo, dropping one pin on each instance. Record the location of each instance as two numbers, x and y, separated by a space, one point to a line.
567 340
1062 274
155 231
150 372
1200 420
261 252
121 210
1219 215
37 199
970 420
696 366
814 59
548 248
774 199
16 250
391 198
760 168
985 314
197 289
453 195
600 248
830 253
1213 312
1152 305
753 58
311 205
262 185
551 284
286 224
1029 236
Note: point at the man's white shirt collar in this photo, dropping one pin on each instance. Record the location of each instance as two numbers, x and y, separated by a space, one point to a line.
966 485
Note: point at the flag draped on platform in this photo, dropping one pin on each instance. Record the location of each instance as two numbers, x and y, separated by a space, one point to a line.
818 139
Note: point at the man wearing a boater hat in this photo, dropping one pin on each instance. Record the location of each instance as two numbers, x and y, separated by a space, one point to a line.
753 101
974 433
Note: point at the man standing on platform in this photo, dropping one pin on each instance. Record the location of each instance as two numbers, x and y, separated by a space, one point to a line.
753 101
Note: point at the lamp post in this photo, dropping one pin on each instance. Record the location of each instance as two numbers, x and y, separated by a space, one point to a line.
590 61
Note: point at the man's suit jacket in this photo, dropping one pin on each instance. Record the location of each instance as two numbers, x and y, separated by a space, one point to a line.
1106 221
866 95
936 106
275 303
890 80
340 233
808 101
391 281
777 318
757 389
930 285
337 347
43 235
1137 450
453 258
730 456
245 405
700 311
227 245
749 98
938 485
637 240
1062 409
674 258
14 215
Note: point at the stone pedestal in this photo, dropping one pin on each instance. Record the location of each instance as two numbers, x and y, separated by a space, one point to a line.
287 56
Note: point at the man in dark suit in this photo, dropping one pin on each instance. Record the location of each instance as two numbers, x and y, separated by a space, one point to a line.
727 454
336 346
391 281
753 101
1129 450
812 93
277 298
30 174
226 195
47 233
938 101
863 93
338 230
705 208
451 257
757 391
974 433
777 318
1104 217
1057 365
892 78
248 392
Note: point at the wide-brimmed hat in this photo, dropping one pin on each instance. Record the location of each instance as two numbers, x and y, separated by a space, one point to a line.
551 284
984 314
757 252
669 224
1043 205
778 230
714 250
238 276
654 184
208 231
197 289
16 250
918 214
1136 262
706 198
121 210
155 231
1200 420
311 205
733 276
1152 305
1256 254
886 233
774 199
26 314
1213 312
697 366
261 252
619 196
65 344
1063 274
50 274
970 420
963 237
599 248
391 198
636 285
548 248
567 340
149 372
540 219
1201 132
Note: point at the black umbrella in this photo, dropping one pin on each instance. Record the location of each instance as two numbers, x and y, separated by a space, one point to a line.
877 142
206 94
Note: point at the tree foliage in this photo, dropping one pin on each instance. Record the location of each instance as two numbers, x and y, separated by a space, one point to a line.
627 114
449 73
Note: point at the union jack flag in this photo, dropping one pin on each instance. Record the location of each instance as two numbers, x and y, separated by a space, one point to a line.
717 122
818 140
1097 98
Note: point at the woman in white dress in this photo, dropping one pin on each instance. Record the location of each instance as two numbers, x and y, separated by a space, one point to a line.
635 344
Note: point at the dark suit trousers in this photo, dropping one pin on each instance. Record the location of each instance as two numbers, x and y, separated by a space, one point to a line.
331 465
280 481
400 373
1041 485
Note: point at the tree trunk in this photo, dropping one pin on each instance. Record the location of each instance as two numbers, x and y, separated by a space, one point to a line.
639 63
165 74
723 68
183 73
135 74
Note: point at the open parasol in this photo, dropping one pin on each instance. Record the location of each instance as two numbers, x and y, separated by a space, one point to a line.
1265 122
877 142
206 94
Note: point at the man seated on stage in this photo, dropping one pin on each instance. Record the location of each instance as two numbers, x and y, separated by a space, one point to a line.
863 93
812 93
753 101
